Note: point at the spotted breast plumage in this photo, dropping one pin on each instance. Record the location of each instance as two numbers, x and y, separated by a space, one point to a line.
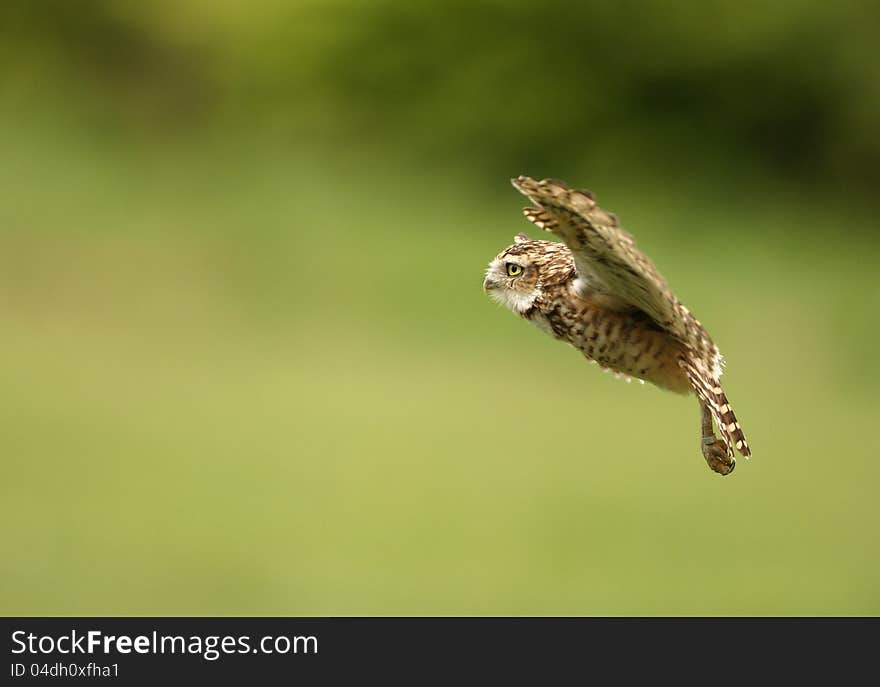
598 292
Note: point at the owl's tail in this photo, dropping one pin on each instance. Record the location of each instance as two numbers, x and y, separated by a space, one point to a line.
708 389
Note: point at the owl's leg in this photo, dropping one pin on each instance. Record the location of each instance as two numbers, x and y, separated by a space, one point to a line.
714 450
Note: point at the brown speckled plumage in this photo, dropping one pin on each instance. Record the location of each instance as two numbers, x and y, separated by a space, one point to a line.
601 294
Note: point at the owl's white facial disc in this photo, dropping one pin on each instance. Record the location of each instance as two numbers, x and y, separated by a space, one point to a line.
516 301
509 292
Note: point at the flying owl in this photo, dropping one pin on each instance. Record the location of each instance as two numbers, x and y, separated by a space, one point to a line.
601 294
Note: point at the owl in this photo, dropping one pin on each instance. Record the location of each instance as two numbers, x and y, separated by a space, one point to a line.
598 292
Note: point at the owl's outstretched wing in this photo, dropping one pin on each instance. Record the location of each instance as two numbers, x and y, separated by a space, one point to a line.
607 258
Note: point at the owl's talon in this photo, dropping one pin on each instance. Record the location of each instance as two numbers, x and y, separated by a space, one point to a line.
716 457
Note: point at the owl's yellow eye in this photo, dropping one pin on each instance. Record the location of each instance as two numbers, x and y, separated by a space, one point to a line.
513 270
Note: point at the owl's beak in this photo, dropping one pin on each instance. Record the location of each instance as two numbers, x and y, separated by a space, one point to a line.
488 285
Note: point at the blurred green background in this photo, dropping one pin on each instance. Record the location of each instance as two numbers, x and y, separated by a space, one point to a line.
248 366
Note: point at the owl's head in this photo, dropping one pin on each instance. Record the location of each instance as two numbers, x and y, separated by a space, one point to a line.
520 273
